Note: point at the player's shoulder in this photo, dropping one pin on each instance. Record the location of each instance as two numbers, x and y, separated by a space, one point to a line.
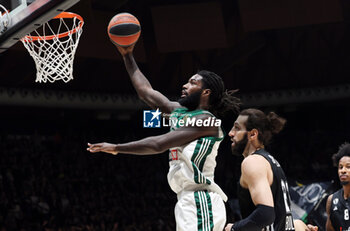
201 113
329 203
203 116
253 160
330 197
254 164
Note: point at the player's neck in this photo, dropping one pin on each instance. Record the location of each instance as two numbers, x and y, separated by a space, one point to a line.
204 105
346 189
252 148
249 151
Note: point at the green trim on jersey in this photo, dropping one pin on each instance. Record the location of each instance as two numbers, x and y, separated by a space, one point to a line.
203 148
200 158
198 176
211 220
204 211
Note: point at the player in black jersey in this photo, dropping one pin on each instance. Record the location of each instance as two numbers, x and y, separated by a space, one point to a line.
263 190
338 203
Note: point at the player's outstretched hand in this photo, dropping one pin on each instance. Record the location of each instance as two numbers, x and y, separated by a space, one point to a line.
102 147
312 227
301 226
228 227
126 50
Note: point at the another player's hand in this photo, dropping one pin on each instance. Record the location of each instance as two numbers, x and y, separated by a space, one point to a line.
312 227
126 50
102 147
228 227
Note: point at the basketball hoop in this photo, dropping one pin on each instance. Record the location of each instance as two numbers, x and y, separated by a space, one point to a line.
53 47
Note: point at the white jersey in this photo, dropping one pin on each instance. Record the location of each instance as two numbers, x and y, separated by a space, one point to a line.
192 165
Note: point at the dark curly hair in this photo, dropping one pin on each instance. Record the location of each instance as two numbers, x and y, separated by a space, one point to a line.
344 150
220 100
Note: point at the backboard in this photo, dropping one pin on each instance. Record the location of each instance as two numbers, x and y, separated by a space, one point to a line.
27 15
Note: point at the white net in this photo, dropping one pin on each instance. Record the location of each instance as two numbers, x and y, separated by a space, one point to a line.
53 47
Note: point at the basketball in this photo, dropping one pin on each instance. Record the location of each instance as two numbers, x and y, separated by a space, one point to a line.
124 29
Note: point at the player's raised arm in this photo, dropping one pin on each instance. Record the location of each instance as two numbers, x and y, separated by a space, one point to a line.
144 89
124 30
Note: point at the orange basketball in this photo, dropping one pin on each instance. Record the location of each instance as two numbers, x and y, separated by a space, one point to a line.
124 29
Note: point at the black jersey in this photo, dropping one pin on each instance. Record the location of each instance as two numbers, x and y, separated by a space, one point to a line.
281 198
339 211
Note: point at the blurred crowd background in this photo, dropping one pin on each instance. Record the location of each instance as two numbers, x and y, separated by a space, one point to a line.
48 181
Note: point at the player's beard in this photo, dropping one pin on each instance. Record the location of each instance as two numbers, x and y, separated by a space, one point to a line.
344 183
239 146
191 102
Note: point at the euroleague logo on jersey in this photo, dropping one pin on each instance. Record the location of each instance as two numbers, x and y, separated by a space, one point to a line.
152 119
173 154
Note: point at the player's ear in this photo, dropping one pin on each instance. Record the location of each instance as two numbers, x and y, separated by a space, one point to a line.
206 92
253 134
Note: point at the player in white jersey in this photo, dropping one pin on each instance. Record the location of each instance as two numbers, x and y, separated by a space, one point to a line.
191 176
193 141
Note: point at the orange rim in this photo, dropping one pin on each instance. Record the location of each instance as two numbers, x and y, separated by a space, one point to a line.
29 38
